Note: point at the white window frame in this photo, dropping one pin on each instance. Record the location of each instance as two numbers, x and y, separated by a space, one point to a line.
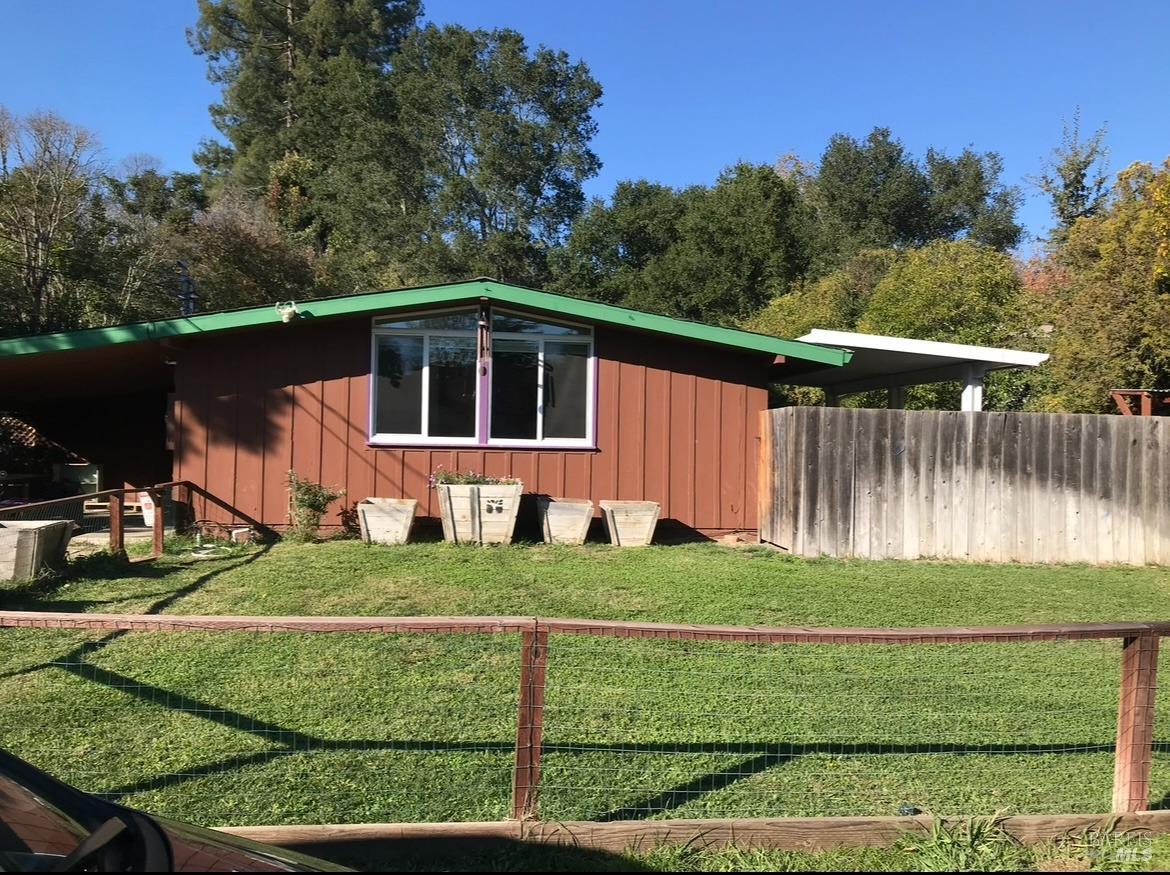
483 438
540 340
423 439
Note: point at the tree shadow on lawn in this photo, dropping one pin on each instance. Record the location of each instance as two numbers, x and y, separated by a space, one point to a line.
37 595
755 757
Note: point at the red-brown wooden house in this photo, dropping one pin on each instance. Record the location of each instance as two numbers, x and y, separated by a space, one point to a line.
373 392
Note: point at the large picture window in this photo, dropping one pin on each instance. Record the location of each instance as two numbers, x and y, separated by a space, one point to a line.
483 379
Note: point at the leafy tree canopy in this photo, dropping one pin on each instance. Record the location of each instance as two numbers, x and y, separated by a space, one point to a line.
1109 296
503 136
714 254
954 291
1074 178
872 194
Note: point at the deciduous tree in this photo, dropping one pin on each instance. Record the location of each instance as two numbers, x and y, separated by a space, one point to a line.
48 175
1110 305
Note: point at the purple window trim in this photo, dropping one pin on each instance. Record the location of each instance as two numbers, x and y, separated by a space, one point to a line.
484 366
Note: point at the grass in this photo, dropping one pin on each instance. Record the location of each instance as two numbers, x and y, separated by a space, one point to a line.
284 728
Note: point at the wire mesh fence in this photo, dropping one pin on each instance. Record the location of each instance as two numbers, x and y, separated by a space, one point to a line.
273 722
652 728
274 727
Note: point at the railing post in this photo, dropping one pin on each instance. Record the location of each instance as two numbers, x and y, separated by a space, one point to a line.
117 525
158 525
1135 724
530 723
181 504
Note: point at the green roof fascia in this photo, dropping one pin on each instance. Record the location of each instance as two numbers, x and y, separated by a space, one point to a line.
564 305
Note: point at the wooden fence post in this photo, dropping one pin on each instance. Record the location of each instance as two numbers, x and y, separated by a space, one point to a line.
1135 724
530 723
158 525
117 525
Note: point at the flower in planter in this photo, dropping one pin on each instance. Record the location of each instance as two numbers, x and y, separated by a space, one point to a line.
443 477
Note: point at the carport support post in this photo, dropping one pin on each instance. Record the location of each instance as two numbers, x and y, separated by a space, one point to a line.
1135 724
530 723
973 389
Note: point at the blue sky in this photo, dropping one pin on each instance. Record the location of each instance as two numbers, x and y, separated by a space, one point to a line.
690 86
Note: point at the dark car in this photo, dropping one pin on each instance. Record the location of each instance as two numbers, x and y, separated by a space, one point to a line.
48 826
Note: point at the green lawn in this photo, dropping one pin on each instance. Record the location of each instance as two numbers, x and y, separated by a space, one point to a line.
247 728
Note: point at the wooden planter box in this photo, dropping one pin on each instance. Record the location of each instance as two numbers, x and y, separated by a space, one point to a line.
565 520
479 514
630 523
386 520
27 548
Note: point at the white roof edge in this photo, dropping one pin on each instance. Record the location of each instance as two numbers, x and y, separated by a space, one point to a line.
986 354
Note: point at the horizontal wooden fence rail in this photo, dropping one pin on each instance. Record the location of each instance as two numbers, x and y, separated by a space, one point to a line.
781 833
600 628
1135 715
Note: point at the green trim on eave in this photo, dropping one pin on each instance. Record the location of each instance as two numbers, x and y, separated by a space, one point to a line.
349 305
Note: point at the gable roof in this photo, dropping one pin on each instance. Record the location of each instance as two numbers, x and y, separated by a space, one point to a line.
370 302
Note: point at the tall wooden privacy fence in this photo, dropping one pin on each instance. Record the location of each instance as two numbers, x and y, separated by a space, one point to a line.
1026 487
583 721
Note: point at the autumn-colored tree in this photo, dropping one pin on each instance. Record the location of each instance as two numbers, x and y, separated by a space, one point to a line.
1110 310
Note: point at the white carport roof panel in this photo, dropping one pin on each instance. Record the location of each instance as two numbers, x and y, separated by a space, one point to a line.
881 362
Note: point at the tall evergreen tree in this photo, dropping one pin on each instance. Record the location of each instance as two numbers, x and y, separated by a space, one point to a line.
273 59
504 136
1075 177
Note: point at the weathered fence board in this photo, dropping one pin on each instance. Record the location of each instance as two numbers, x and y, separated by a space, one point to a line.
1000 487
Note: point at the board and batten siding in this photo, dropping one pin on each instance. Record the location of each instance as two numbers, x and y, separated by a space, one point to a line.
677 423
1023 487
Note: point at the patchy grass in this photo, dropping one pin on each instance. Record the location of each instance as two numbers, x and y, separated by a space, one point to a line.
286 728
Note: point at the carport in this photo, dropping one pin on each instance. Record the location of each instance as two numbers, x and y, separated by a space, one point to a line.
894 363
105 405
